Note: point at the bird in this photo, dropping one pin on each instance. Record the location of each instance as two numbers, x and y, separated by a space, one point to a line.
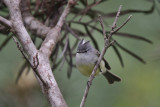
86 59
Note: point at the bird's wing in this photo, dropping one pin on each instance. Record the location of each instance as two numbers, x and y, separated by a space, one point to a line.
106 63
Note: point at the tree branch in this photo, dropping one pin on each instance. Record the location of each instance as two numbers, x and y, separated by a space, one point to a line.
34 66
51 91
33 24
54 34
108 43
18 27
5 22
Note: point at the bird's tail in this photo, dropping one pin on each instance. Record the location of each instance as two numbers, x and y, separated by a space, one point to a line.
111 77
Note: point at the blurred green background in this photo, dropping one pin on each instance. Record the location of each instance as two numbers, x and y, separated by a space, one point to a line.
140 82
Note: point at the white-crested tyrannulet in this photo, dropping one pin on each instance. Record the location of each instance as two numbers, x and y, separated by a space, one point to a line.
86 58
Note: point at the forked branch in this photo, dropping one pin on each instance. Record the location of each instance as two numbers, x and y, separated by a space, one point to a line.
107 44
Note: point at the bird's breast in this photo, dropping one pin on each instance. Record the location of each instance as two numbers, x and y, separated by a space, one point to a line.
85 63
84 58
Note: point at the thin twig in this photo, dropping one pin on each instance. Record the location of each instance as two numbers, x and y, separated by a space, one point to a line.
102 25
5 22
116 18
69 72
106 46
122 24
88 7
124 12
71 31
5 42
131 53
65 47
137 37
119 55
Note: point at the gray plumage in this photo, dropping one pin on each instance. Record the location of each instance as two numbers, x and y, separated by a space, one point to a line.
86 58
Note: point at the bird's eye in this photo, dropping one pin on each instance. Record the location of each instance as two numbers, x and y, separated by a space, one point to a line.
85 51
81 51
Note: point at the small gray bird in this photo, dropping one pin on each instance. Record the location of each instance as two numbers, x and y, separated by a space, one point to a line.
86 58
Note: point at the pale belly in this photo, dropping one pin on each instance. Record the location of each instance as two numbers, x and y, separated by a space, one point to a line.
86 69
85 64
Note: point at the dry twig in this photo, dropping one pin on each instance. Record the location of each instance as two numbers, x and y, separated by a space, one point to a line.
107 44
